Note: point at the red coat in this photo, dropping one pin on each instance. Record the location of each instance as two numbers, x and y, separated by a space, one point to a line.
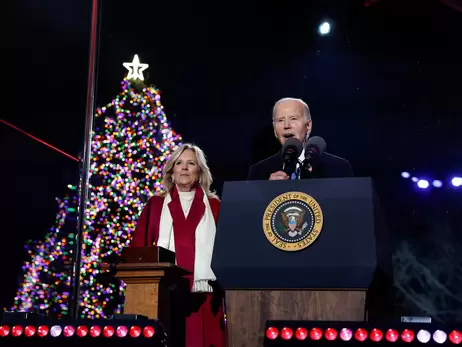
147 227
204 317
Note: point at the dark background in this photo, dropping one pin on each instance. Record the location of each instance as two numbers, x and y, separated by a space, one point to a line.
384 90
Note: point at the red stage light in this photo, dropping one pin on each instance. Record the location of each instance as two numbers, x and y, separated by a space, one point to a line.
4 330
301 334
30 331
376 335
392 335
361 334
43 330
82 331
95 331
330 334
148 331
69 331
407 335
121 331
346 334
286 333
455 337
108 331
135 331
272 333
316 334
16 331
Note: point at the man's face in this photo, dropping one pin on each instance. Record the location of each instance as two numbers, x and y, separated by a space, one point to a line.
290 121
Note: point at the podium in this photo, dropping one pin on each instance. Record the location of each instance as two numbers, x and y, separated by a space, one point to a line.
153 283
299 250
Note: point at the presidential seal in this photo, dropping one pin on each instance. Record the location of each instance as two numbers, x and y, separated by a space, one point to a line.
293 221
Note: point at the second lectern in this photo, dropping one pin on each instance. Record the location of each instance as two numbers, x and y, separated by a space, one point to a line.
298 250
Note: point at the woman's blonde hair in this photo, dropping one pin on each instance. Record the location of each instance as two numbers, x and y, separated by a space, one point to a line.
205 176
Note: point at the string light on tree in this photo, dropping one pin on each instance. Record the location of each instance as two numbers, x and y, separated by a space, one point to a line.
130 144
135 69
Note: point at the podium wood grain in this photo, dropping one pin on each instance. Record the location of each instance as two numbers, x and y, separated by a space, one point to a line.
248 310
144 290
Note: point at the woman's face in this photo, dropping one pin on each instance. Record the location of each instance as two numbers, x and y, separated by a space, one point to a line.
186 171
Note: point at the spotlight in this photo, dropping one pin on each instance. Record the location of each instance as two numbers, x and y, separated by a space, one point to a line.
324 28
437 184
457 181
423 184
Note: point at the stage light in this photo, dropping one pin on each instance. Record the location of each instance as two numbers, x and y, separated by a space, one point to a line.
330 334
423 184
457 181
376 335
414 179
407 335
392 335
455 337
346 334
90 333
424 336
440 336
301 334
405 174
286 333
324 28
280 333
361 335
437 184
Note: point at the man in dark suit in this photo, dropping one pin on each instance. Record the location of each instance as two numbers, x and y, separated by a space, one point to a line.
292 118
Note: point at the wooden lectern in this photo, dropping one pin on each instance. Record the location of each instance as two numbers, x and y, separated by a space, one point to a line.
152 281
338 252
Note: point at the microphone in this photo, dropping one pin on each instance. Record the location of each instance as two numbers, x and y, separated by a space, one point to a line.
314 149
290 152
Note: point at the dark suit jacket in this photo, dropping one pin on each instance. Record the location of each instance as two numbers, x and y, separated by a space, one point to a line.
327 166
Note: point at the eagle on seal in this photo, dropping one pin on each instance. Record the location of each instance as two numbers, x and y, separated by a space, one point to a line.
293 219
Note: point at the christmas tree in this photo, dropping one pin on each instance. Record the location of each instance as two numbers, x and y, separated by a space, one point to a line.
132 139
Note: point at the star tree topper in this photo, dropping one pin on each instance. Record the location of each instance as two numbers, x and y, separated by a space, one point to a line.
135 69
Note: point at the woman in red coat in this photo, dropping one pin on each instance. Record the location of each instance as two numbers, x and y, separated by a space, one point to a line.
182 219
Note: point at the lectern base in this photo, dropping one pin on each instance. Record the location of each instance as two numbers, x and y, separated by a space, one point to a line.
248 310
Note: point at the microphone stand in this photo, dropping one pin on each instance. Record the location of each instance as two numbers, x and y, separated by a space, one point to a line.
83 196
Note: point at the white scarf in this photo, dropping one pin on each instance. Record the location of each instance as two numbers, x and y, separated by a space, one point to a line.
205 239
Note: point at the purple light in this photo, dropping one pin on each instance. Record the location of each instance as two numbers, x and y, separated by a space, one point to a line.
437 184
414 179
405 174
423 184
457 181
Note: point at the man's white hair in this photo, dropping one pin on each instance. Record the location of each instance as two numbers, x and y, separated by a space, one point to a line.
305 106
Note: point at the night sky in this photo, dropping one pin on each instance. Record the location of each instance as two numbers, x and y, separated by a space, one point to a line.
384 90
